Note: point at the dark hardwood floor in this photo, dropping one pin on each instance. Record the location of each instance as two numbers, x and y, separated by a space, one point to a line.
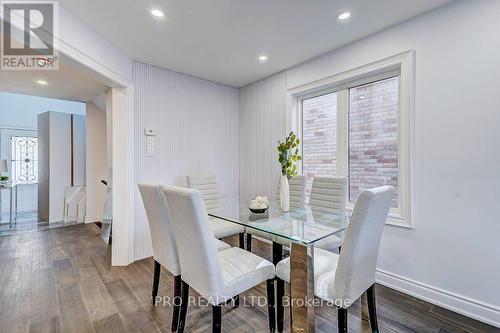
61 280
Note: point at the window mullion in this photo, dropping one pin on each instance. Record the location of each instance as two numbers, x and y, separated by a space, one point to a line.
299 131
343 133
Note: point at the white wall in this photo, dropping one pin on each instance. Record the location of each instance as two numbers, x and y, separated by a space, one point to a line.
96 162
262 124
20 111
452 256
123 184
196 124
89 48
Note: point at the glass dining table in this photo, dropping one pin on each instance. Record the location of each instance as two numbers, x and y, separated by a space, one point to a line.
301 228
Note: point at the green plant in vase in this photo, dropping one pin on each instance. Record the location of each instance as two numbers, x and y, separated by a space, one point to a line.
288 155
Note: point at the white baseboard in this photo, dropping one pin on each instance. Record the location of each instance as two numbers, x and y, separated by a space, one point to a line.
91 219
466 306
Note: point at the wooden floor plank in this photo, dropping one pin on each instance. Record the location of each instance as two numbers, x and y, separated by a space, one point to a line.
110 324
43 299
50 325
99 303
134 315
73 311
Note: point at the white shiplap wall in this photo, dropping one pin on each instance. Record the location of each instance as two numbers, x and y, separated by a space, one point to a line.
262 123
197 131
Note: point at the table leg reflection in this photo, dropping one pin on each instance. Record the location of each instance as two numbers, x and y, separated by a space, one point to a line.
302 288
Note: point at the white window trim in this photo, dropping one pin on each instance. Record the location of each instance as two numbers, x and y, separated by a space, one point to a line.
404 65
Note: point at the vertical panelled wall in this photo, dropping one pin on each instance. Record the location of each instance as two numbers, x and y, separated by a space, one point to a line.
262 123
197 131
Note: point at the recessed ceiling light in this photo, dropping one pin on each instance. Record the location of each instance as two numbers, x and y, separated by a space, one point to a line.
343 16
42 82
362 97
262 58
157 13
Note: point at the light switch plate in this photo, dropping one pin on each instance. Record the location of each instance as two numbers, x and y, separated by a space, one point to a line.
149 132
150 146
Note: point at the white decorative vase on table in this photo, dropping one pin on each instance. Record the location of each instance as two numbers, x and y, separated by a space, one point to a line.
284 194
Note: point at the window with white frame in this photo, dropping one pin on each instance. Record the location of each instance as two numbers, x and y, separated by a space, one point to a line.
359 128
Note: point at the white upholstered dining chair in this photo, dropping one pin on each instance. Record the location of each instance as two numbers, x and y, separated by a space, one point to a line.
164 243
329 194
216 276
342 279
207 185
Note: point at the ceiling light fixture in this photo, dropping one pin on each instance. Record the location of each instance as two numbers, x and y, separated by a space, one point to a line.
157 13
262 58
42 82
343 16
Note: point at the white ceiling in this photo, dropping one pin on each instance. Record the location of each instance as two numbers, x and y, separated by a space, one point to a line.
220 40
70 82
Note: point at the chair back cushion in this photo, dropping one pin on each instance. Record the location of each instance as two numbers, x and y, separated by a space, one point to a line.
195 240
297 185
297 191
160 227
358 257
329 194
207 185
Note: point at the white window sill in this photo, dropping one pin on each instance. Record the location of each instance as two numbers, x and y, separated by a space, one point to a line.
398 222
393 219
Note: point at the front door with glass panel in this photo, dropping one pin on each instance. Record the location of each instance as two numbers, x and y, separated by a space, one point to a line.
24 152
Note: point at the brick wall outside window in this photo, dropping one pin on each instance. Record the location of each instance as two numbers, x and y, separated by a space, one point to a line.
373 137
319 135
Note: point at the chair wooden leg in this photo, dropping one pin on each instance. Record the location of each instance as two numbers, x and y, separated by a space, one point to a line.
277 253
280 310
156 282
184 306
342 317
236 301
290 311
271 307
249 242
177 302
242 240
216 318
280 285
372 308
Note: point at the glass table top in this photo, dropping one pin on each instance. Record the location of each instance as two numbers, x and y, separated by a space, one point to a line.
300 225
